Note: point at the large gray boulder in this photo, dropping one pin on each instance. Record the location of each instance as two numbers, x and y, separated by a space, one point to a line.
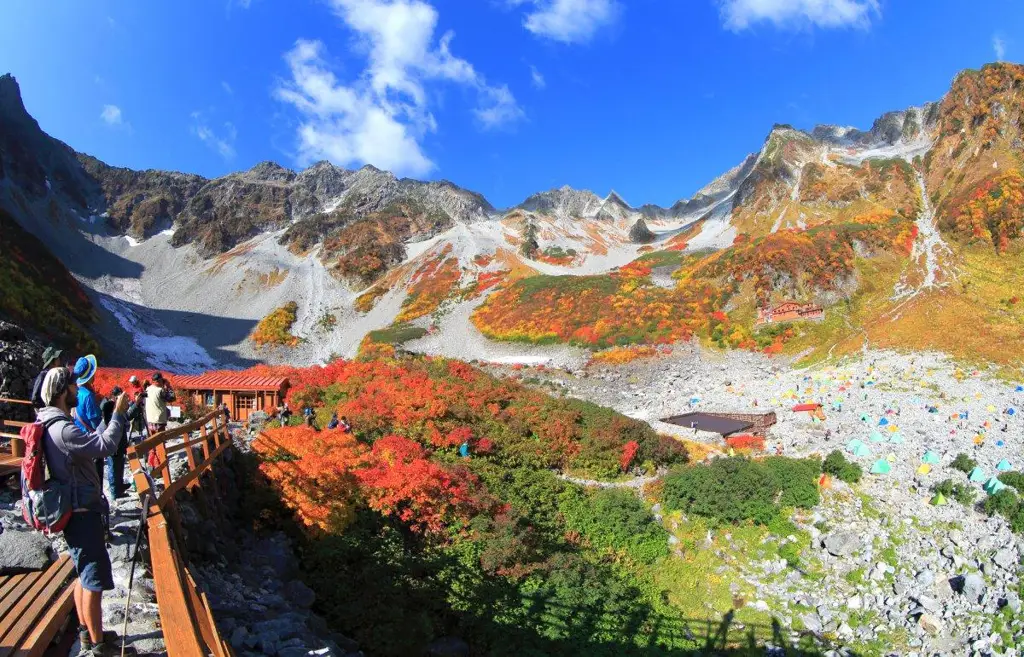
842 544
23 552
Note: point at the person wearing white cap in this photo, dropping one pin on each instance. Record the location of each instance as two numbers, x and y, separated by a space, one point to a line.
71 453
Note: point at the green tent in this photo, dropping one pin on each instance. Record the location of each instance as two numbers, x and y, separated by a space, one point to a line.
876 437
938 500
993 486
896 438
931 458
862 450
854 444
881 466
864 418
1004 466
977 474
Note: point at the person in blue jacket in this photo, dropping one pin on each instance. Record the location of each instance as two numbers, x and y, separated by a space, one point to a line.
88 415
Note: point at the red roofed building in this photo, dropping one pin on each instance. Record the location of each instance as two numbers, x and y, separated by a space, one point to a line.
243 393
789 311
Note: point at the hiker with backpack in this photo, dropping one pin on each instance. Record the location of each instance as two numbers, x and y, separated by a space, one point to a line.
52 357
115 462
72 498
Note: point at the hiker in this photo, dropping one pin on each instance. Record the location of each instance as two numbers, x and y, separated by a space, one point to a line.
51 358
285 413
115 462
227 413
157 396
333 424
70 452
87 413
346 427
137 392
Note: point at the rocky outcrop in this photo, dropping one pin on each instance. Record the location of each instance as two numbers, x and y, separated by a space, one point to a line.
639 233
20 360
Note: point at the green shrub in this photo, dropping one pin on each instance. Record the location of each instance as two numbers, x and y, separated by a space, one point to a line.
1014 479
617 520
960 492
837 466
797 479
964 463
735 489
1005 503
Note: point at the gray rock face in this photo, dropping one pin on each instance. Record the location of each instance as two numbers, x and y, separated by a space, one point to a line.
23 552
842 544
300 594
1005 559
973 587
639 233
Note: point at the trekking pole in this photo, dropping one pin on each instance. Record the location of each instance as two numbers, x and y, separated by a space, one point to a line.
131 572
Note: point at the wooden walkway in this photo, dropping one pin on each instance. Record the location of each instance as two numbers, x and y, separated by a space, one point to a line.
34 607
188 625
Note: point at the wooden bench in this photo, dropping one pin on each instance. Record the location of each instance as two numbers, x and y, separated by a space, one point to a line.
34 607
9 465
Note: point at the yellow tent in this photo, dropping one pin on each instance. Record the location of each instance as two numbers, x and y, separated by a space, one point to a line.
924 469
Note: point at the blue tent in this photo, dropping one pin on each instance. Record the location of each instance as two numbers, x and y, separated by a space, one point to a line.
881 466
1019 389
1004 466
977 474
883 422
993 486
1011 411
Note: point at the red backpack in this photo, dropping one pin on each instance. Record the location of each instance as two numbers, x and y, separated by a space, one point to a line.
45 502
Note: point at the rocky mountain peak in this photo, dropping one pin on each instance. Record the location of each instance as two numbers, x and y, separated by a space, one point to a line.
268 171
564 201
12 108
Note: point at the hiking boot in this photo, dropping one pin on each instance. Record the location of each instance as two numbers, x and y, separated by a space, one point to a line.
84 640
111 647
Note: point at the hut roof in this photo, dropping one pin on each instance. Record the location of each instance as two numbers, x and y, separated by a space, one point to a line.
706 422
226 381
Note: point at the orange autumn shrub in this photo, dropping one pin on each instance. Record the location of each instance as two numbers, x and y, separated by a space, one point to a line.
622 355
745 442
993 212
275 328
433 282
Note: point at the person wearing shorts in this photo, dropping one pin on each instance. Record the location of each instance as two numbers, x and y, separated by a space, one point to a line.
71 454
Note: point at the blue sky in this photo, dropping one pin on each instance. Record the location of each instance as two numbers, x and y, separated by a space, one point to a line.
652 98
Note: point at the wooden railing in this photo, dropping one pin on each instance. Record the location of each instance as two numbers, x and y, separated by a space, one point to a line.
9 429
188 625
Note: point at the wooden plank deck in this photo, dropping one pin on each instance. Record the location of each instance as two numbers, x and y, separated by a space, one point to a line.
9 464
33 607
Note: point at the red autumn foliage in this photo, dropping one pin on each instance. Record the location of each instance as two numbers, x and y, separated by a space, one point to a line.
745 442
629 451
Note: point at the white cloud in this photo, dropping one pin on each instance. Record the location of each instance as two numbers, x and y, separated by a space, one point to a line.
227 88
111 115
569 21
999 46
382 116
223 143
537 78
741 14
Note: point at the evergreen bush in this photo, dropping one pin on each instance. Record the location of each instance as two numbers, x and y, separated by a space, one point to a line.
836 465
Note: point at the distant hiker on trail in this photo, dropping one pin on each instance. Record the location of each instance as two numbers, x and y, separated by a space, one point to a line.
51 358
157 396
137 392
226 411
333 424
115 462
70 454
285 413
346 427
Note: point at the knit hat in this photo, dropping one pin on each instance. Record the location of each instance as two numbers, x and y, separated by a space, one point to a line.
85 369
55 383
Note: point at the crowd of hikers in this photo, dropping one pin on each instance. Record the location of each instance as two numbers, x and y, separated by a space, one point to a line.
82 437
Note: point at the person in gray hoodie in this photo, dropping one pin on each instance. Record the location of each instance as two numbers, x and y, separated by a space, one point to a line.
71 454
